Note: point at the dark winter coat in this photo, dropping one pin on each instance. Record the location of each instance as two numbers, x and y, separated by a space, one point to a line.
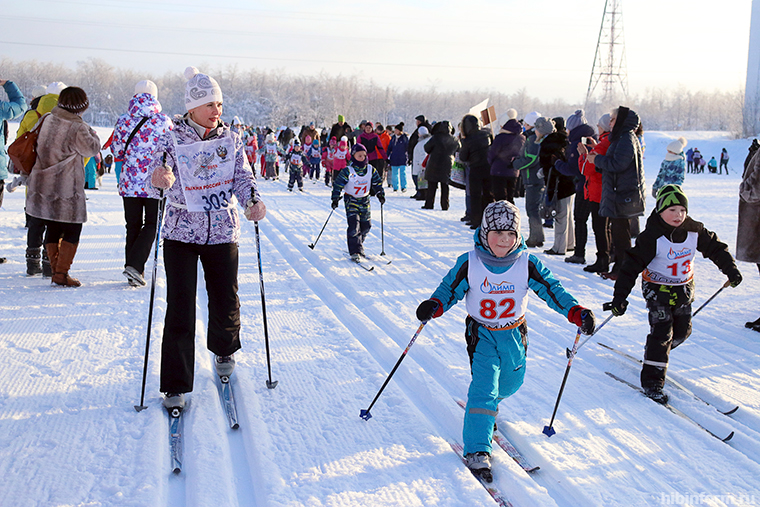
397 150
623 188
748 230
570 166
415 137
506 146
638 258
553 149
337 131
441 148
475 145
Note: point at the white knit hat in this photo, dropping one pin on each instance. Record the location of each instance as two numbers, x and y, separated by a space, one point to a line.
530 118
200 89
56 87
147 86
675 148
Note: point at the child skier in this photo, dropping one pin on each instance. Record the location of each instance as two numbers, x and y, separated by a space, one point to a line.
270 158
295 160
357 180
500 271
665 252
328 155
314 156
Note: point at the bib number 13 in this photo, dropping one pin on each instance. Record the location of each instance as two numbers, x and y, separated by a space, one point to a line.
488 308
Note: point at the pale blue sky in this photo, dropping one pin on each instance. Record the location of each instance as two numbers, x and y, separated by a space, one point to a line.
545 46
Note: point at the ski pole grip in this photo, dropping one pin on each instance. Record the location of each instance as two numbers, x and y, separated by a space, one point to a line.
607 306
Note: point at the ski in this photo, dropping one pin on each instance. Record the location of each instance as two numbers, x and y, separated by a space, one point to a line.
503 442
381 260
228 402
175 439
671 408
669 381
497 495
361 263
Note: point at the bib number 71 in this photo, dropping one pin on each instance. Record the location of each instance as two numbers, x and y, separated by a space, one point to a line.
488 308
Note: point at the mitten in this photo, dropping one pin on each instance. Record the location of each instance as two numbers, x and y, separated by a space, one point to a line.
163 177
255 211
429 309
381 198
335 203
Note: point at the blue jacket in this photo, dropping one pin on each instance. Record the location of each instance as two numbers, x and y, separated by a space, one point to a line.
671 171
397 150
9 110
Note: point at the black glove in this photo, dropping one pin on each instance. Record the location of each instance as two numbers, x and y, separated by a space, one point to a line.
335 203
583 318
381 198
735 278
619 306
427 310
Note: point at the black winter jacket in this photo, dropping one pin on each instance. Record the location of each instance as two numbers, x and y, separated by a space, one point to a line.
441 148
475 145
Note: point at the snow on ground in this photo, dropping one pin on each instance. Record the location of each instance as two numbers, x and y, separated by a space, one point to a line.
71 365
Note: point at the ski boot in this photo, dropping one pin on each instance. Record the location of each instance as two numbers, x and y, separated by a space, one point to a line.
224 365
479 464
655 394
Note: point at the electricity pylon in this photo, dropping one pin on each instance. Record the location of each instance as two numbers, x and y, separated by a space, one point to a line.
609 60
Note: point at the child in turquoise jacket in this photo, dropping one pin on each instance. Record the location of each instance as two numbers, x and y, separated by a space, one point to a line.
494 279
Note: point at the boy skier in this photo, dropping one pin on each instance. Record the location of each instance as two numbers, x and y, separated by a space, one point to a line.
358 180
494 279
665 252
295 160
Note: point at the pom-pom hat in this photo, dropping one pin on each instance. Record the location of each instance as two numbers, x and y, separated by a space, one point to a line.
675 148
200 89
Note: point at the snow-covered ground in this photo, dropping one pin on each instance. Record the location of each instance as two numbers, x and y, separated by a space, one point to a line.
71 364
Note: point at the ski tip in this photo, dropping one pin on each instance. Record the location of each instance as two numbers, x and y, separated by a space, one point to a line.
364 414
549 431
729 437
733 410
140 408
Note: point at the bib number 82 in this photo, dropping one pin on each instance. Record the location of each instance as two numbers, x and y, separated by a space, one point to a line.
488 308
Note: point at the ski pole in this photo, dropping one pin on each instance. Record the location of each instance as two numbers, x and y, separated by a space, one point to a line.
568 351
323 228
549 430
382 230
142 406
270 383
728 282
364 414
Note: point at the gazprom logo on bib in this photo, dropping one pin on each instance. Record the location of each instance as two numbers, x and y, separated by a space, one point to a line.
679 254
499 288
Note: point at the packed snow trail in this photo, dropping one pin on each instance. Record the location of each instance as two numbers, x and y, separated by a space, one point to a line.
71 366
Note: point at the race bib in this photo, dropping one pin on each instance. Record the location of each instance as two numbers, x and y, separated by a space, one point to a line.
207 171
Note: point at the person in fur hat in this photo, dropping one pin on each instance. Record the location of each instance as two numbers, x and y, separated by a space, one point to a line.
56 183
202 168
501 272
665 252
748 229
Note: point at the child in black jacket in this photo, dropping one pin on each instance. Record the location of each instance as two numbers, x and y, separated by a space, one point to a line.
665 253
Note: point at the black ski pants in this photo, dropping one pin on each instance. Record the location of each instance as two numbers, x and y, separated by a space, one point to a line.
141 216
669 325
220 269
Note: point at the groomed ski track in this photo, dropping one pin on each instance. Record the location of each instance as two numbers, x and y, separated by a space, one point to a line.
72 360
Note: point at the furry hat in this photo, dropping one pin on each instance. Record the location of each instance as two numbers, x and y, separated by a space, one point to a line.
500 216
530 118
200 89
671 195
675 148
55 88
147 86
576 119
544 126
